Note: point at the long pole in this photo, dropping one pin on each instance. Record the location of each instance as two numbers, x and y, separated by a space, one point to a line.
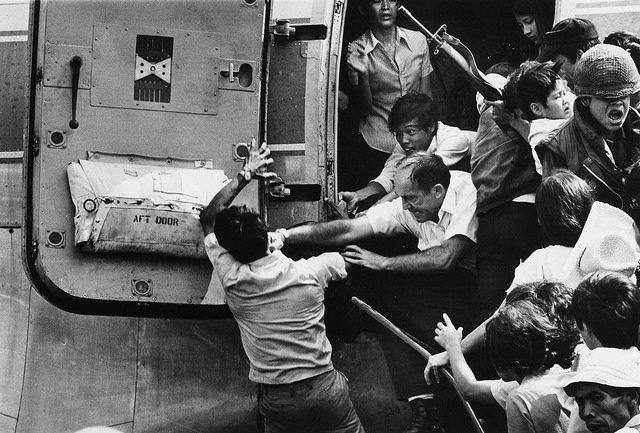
422 351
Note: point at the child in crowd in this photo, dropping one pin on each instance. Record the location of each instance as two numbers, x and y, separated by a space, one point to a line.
554 302
606 307
520 342
413 122
542 99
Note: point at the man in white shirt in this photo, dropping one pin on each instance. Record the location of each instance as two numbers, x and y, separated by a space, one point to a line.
414 287
414 123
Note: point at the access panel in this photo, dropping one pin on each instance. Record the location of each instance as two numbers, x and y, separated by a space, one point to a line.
141 110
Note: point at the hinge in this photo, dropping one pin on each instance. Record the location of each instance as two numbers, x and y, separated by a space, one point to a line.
35 146
329 167
39 75
338 8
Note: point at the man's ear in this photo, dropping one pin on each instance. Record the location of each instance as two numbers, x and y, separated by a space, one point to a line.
631 398
536 108
438 190
585 100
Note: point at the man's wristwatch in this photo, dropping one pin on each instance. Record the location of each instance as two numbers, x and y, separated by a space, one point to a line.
246 174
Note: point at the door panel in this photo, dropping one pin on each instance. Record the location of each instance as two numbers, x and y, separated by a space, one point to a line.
174 82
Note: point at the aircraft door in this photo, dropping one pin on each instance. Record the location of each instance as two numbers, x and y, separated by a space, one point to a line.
140 111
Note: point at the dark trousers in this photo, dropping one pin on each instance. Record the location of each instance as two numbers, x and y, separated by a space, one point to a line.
506 235
415 303
318 404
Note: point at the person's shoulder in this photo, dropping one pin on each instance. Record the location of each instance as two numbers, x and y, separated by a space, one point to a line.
461 179
556 139
413 37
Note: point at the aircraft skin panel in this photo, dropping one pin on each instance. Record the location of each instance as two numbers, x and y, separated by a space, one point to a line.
14 316
192 377
80 370
10 193
7 424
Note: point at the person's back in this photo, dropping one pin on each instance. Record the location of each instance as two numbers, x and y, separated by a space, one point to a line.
278 305
504 174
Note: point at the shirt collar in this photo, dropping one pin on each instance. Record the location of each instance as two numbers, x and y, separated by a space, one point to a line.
449 202
371 42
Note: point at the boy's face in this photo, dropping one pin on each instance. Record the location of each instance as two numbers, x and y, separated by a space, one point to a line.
557 105
382 13
609 113
602 411
412 136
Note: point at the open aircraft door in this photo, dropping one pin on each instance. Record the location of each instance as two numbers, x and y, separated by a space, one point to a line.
139 112
139 109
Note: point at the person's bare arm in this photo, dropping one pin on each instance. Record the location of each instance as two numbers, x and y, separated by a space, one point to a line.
353 198
472 342
440 258
255 163
332 233
471 389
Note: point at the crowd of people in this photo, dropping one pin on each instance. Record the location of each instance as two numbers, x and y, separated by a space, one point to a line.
524 232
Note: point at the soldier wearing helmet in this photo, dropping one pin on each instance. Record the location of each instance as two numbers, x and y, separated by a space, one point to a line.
601 142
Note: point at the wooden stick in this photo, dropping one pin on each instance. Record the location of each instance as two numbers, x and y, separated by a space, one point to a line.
422 351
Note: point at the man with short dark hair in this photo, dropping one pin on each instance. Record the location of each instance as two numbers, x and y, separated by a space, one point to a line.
566 42
414 123
413 288
606 306
278 304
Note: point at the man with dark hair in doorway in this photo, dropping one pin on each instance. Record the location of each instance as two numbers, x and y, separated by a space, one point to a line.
414 287
383 64
278 305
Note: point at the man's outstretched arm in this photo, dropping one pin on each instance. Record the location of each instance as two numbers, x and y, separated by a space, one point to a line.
333 233
258 159
441 258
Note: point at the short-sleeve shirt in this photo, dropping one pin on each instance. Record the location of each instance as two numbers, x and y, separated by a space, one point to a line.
543 264
279 306
500 391
390 79
537 405
450 143
457 216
